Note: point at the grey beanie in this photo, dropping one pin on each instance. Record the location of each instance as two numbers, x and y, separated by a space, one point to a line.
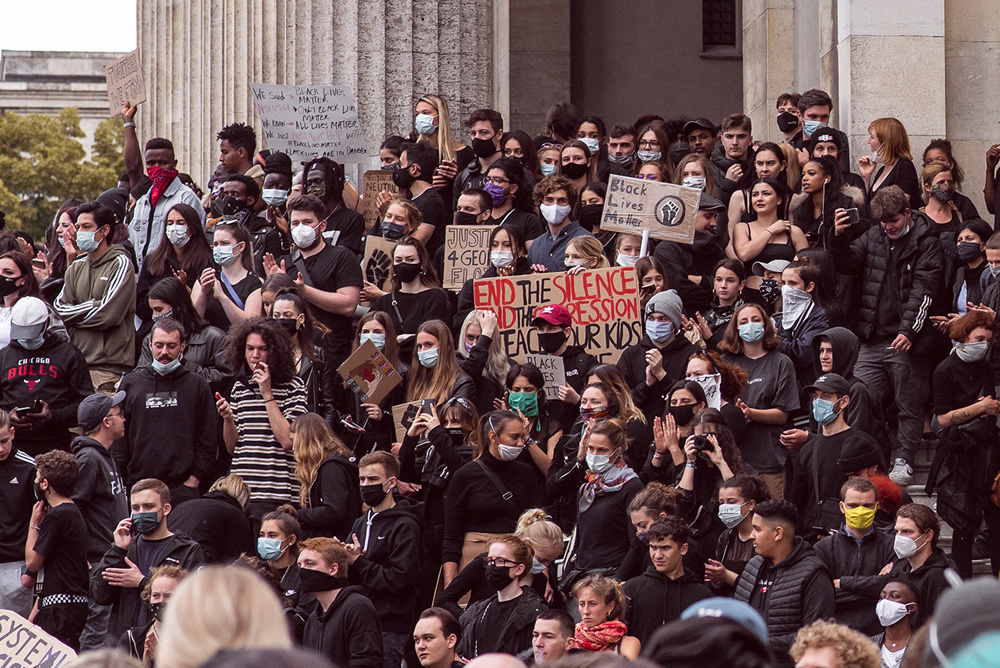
669 303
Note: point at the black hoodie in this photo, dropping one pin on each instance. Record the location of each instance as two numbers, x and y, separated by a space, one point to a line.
334 499
348 632
654 600
389 565
720 164
100 494
57 374
170 424
578 363
219 524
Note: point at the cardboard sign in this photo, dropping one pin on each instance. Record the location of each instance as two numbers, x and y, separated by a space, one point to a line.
307 121
466 253
403 416
373 182
368 374
603 304
125 82
24 644
667 210
553 371
378 260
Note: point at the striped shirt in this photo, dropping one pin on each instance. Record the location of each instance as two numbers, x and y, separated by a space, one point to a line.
265 466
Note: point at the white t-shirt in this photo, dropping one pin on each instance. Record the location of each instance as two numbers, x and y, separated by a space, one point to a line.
891 659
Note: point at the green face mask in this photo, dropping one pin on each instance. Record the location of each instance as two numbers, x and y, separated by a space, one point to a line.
526 402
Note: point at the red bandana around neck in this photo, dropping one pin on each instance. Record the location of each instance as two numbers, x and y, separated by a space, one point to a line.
599 638
161 179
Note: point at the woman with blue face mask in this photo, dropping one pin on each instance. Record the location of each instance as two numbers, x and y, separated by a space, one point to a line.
277 544
737 498
770 395
230 291
434 370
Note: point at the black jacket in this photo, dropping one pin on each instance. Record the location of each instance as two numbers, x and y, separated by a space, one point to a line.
170 427
99 493
205 354
57 374
653 600
17 497
513 637
695 259
133 640
919 263
796 342
389 566
928 579
844 556
632 364
348 632
334 500
578 363
322 386
720 164
801 593
181 551
219 524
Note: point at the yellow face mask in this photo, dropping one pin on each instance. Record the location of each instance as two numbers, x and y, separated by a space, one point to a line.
859 518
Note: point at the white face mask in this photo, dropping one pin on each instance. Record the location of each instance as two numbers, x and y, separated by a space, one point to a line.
555 213
303 235
501 258
906 546
793 304
890 612
593 144
178 235
598 463
627 260
698 182
710 382
509 453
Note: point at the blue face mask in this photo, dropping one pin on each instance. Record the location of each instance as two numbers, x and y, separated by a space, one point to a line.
822 410
163 368
812 127
86 241
424 124
548 170
658 332
752 332
223 255
377 339
269 548
428 358
32 344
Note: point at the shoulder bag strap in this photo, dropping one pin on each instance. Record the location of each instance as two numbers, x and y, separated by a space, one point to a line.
505 494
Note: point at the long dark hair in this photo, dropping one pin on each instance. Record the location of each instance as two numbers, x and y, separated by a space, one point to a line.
23 262
514 172
173 292
782 178
56 253
779 191
804 212
304 335
712 422
527 147
242 235
197 254
279 348
816 265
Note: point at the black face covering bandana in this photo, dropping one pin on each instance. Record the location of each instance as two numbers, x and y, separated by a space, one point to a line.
312 581
484 148
770 290
551 341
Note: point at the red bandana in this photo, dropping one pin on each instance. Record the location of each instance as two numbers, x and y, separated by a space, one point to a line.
599 638
161 179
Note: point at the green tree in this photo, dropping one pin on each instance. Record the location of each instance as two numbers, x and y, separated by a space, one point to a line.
42 164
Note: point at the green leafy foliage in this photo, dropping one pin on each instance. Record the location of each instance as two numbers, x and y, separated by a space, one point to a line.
42 164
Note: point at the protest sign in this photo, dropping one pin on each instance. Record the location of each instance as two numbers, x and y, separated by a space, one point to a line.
373 182
378 260
368 374
25 644
466 253
553 371
667 210
125 82
402 417
307 121
603 304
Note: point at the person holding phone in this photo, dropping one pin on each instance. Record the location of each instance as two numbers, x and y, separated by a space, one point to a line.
824 195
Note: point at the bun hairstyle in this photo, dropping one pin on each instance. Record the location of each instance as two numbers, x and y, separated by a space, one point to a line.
534 526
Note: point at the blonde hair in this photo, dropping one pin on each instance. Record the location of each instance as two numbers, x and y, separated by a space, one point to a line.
793 170
607 589
591 249
534 526
413 216
234 486
497 362
895 141
434 383
446 147
851 647
312 442
220 608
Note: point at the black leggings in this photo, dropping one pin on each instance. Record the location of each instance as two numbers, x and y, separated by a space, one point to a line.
961 545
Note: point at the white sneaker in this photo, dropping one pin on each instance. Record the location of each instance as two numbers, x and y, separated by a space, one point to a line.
901 473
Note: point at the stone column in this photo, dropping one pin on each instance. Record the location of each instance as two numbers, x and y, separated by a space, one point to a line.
768 61
199 57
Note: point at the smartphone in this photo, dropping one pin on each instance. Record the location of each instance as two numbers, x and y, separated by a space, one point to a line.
35 262
855 216
427 406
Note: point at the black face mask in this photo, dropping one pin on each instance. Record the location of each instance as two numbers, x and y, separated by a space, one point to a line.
405 271
484 148
787 121
456 434
466 218
967 252
231 207
552 341
498 577
770 290
574 170
402 177
39 492
590 216
290 325
682 414
8 285
374 494
312 581
157 610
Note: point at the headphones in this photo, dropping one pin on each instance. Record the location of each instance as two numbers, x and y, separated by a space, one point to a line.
827 180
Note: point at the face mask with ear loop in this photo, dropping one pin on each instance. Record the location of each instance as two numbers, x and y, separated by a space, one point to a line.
508 453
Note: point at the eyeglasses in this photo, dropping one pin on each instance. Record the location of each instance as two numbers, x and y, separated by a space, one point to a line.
499 561
497 181
649 144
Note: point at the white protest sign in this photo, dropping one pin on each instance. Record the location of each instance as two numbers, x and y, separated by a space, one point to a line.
553 371
309 121
125 82
25 644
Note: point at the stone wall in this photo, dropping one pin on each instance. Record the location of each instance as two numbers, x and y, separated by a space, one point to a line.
200 56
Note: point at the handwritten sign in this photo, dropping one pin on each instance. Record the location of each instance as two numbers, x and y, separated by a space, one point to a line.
553 371
667 210
368 374
373 182
24 644
403 416
125 82
466 253
603 304
378 260
306 121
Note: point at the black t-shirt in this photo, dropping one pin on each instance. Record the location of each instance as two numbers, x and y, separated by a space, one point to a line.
415 308
958 384
433 212
331 269
348 227
526 223
494 618
215 314
63 542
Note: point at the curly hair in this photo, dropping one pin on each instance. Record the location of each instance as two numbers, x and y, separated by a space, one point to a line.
279 347
549 185
164 571
60 469
851 647
732 378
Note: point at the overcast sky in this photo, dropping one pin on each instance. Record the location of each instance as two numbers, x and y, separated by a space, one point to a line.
68 25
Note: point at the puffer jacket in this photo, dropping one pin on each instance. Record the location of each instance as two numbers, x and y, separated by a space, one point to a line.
919 260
